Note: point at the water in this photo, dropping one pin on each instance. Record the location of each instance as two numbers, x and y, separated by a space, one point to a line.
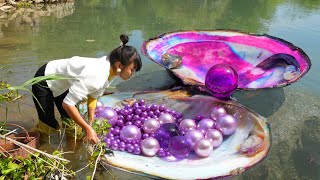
92 28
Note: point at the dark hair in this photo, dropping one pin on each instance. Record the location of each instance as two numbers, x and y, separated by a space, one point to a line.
125 54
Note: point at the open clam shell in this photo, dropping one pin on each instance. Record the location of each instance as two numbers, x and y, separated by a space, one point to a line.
246 147
262 61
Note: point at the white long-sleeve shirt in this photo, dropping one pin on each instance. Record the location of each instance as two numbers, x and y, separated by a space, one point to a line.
86 77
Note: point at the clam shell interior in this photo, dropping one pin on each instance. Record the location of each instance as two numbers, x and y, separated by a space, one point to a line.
226 160
262 61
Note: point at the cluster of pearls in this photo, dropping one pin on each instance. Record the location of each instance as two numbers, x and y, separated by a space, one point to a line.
157 130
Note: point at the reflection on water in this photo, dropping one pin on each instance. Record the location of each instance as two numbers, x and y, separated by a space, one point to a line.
257 100
92 28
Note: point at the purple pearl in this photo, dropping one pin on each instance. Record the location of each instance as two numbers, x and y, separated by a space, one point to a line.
135 117
142 119
128 123
120 117
147 108
221 80
117 131
143 107
108 143
145 135
124 112
135 145
141 102
137 150
114 146
110 134
117 109
178 115
129 148
161 108
129 117
127 106
138 124
144 114
198 117
167 111
150 113
138 111
122 144
173 113
156 112
153 107
130 110
120 123
161 152
135 107
111 138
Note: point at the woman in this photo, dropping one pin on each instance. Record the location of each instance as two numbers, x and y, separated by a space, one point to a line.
85 79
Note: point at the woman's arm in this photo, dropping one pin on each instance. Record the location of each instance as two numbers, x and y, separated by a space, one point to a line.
75 115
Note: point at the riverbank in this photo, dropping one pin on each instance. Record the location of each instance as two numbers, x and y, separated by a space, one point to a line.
29 13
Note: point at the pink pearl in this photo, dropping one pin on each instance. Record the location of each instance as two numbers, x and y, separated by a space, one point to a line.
186 125
203 147
217 111
130 133
205 124
227 124
150 125
150 146
193 136
215 136
166 118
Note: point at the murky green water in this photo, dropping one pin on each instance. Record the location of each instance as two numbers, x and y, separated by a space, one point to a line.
92 28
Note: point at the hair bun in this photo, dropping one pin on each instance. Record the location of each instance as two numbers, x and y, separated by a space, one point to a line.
124 39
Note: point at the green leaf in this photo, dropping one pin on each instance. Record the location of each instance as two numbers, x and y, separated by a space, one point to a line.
56 152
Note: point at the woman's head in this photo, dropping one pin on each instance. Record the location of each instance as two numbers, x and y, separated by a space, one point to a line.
125 60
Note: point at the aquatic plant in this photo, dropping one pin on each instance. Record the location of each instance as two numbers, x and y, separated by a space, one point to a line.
34 167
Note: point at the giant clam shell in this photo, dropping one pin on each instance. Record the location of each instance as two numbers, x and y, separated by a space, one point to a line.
240 151
262 61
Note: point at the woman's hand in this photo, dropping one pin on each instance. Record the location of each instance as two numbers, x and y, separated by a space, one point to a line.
91 135
75 115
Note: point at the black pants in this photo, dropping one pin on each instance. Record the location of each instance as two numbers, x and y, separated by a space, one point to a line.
45 103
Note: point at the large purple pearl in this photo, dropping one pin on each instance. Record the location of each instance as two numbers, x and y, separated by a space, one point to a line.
130 133
179 147
109 114
205 124
227 124
217 111
150 125
221 80
164 133
215 136
150 146
166 118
